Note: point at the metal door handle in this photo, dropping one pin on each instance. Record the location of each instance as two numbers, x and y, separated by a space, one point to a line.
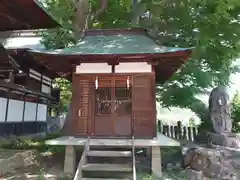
79 112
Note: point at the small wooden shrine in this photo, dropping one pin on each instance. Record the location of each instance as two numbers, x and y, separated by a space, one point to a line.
26 92
113 74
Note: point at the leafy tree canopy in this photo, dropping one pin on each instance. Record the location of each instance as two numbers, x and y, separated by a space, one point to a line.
212 27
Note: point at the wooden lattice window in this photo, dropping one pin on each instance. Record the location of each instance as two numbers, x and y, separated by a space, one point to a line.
103 100
114 97
123 100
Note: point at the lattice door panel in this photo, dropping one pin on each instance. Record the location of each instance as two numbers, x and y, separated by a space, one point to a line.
143 105
123 97
83 100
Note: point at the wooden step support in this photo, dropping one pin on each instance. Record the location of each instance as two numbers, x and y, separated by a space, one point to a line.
107 167
110 153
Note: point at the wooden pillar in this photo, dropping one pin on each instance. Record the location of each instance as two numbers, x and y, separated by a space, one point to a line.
11 76
7 105
24 106
156 162
70 160
36 109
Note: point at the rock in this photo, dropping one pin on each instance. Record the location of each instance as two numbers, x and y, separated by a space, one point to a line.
194 175
210 162
18 159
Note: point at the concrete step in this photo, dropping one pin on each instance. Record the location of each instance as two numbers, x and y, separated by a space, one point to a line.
107 167
110 153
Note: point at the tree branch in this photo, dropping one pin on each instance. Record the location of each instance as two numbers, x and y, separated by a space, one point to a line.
102 9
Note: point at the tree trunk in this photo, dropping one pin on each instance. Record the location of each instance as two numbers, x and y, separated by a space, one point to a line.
84 17
80 19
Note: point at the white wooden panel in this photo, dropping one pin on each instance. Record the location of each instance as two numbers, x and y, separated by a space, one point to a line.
34 72
46 89
15 110
35 77
42 112
30 111
47 78
3 105
47 82
94 68
133 67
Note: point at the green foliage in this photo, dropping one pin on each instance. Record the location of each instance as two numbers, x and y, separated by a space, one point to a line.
117 15
66 92
41 175
212 27
236 113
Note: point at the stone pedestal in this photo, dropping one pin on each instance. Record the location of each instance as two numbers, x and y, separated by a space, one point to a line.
156 162
70 160
227 139
213 163
194 175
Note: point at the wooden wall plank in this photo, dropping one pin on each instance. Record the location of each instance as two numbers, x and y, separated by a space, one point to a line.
83 105
143 106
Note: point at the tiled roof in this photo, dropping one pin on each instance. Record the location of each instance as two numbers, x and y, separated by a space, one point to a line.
114 44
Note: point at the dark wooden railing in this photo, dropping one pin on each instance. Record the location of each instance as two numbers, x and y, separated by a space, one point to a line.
178 131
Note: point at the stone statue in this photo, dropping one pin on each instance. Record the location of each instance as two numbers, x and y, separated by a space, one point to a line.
219 158
220 110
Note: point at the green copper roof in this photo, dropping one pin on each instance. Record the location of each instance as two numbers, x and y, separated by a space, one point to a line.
114 44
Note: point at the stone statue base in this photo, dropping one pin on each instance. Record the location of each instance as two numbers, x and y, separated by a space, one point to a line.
210 163
231 140
218 160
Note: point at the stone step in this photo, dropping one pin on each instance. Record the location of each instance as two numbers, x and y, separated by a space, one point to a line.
107 167
110 153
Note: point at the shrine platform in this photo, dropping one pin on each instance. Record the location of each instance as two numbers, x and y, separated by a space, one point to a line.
159 141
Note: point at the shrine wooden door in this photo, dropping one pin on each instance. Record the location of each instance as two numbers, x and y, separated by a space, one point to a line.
113 112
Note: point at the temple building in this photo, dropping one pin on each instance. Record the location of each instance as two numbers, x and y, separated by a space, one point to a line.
114 75
26 92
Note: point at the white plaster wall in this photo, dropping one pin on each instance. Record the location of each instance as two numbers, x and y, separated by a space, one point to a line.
30 111
42 112
15 110
3 105
94 68
133 67
46 89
